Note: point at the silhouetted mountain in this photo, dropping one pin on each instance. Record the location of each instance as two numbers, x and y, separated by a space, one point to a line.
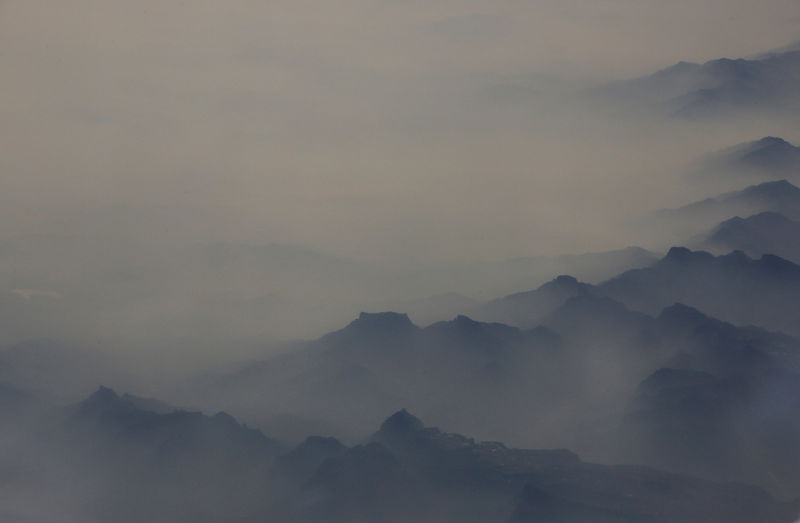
724 426
717 88
732 287
697 218
300 463
768 159
413 472
601 337
708 344
480 281
451 369
592 316
488 338
384 328
177 435
398 427
365 483
527 485
763 233
180 465
528 309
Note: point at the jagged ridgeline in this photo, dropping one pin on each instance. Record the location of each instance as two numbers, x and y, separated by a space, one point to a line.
182 465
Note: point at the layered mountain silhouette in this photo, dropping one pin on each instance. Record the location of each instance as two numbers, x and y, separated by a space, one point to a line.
763 233
526 309
120 462
410 471
733 287
722 407
722 87
637 369
699 217
767 159
382 361
605 339
185 465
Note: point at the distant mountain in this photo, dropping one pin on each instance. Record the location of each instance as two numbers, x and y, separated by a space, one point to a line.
718 88
412 472
698 217
177 435
733 287
769 158
105 459
481 281
763 233
590 348
720 425
376 330
299 464
196 459
710 345
449 369
528 309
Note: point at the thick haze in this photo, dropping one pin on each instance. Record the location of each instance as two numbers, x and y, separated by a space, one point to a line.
563 224
388 130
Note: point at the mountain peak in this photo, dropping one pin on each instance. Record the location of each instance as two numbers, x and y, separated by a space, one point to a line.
102 396
777 266
224 418
685 255
465 322
400 423
383 320
564 282
771 141
566 279
678 313
104 392
775 188
377 326
102 400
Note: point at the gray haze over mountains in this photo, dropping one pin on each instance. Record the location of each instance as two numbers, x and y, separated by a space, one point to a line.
398 261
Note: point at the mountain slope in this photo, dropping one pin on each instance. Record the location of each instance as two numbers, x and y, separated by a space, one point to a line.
717 88
763 233
412 472
698 217
769 158
732 287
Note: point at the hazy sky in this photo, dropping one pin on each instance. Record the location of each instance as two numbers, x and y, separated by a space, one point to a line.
365 128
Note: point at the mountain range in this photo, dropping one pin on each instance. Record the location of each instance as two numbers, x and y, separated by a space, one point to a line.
685 223
767 159
718 88
762 233
188 465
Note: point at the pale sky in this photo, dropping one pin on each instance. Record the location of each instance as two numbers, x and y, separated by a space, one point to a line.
357 127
